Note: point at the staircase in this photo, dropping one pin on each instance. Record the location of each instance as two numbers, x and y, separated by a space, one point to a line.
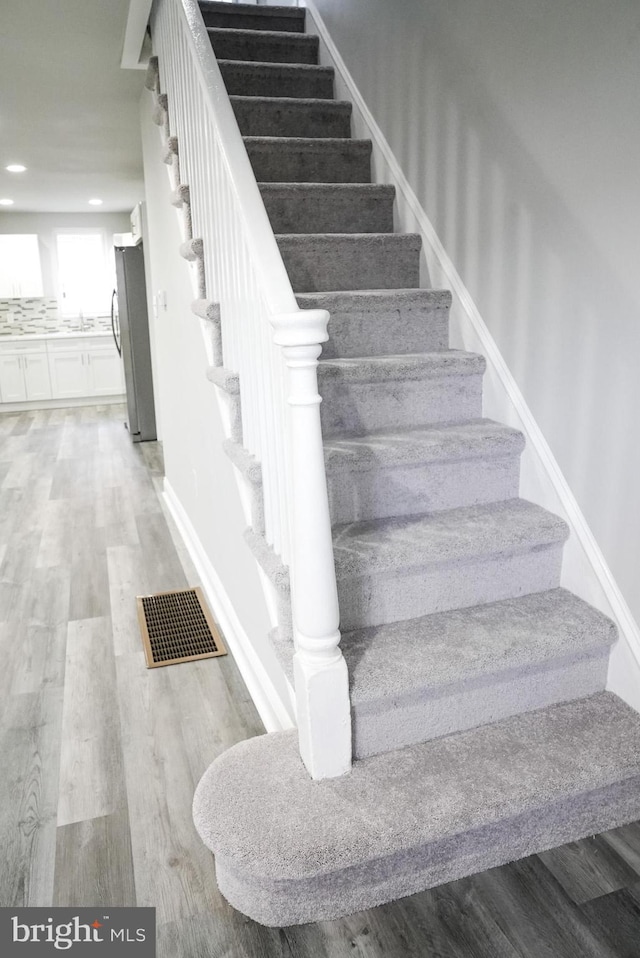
481 728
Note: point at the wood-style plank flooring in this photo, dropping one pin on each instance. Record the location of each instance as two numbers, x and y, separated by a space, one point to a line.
100 756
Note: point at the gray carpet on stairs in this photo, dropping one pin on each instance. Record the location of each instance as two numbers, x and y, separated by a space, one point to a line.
300 160
417 679
383 322
272 46
480 727
277 79
329 207
375 393
429 469
253 17
294 850
291 116
321 261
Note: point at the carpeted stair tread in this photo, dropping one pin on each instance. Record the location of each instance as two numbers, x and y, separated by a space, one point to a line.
251 17
383 322
309 159
292 116
335 261
456 442
438 674
410 366
252 78
405 472
377 547
273 46
289 849
329 207
461 646
367 394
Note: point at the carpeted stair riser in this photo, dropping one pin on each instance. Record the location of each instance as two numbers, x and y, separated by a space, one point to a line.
406 473
473 666
277 79
287 116
308 160
360 396
393 569
295 850
263 47
346 261
383 322
250 17
328 208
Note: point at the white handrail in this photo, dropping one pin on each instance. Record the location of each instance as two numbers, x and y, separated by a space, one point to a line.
273 346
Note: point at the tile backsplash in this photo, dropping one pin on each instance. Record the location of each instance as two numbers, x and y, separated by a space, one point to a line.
40 315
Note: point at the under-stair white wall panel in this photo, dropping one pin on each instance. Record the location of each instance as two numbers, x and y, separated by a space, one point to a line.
511 124
202 491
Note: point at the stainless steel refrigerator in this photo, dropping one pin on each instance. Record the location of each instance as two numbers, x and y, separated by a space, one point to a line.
130 325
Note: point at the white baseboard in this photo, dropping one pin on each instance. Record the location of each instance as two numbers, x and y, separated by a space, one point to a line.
271 708
585 570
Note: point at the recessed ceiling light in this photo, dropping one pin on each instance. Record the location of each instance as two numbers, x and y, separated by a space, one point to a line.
6 202
15 168
95 202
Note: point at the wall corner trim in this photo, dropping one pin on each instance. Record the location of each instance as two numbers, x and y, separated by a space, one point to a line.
271 708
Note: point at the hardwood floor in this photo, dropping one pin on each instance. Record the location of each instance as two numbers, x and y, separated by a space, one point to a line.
100 756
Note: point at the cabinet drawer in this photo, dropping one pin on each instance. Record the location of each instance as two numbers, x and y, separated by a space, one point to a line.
68 344
19 349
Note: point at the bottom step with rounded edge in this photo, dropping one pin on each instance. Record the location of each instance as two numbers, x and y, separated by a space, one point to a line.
291 850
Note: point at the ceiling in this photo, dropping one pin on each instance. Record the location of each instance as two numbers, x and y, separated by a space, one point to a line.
68 111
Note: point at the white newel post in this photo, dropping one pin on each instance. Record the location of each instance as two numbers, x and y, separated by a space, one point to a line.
321 679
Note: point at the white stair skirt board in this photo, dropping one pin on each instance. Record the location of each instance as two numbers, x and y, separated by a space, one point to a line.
274 712
585 570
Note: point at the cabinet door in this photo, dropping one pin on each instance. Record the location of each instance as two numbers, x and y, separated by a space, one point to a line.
69 379
36 376
12 386
105 371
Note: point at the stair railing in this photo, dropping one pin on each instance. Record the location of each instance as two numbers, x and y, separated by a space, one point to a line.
274 347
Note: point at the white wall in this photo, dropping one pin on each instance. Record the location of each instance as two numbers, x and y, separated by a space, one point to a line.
514 123
45 225
198 472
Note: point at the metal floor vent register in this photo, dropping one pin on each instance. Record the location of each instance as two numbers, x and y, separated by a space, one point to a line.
177 627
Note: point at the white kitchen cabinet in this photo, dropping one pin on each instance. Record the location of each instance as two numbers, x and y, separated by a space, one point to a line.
84 368
106 377
20 272
24 373
68 374
12 385
65 367
36 376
